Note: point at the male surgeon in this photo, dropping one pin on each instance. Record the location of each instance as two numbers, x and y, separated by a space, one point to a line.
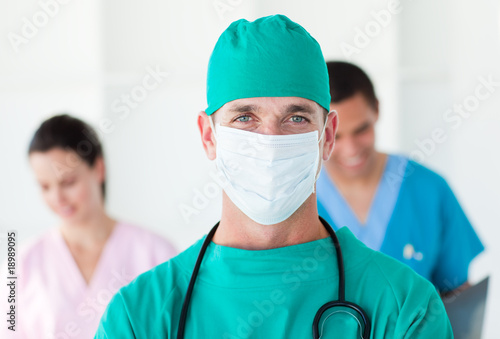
270 268
389 202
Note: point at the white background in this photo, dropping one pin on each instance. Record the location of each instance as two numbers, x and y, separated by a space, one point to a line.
83 57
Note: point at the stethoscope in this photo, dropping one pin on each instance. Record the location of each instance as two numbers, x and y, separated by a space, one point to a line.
340 303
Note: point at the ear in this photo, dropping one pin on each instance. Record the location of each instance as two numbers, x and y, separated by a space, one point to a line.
100 169
332 122
376 109
207 137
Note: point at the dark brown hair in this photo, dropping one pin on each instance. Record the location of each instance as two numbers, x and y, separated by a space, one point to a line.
346 80
70 134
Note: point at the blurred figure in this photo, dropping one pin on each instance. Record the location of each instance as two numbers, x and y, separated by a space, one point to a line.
390 202
68 275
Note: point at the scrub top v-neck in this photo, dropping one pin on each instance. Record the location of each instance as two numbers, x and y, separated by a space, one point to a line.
54 299
372 232
414 218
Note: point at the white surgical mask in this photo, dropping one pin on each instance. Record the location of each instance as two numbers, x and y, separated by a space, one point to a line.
268 177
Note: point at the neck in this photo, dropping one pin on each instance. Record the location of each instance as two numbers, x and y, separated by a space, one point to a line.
370 176
239 231
92 231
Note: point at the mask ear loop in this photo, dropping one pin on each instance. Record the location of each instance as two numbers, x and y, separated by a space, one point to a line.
319 140
211 121
324 125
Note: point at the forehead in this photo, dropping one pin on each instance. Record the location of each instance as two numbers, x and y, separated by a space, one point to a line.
55 164
353 112
275 105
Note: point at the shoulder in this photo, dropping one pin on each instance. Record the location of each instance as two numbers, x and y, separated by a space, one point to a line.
34 255
35 251
133 235
391 276
131 231
164 278
422 173
393 292
419 178
150 298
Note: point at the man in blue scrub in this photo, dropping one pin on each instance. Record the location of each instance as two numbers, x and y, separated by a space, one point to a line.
389 202
271 264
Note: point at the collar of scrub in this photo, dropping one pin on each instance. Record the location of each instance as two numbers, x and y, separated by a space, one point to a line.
371 233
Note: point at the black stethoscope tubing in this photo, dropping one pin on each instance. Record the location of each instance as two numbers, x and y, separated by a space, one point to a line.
341 295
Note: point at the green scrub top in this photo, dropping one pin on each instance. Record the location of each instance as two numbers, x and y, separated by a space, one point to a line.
275 294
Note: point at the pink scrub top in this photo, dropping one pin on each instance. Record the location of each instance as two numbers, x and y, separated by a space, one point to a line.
55 302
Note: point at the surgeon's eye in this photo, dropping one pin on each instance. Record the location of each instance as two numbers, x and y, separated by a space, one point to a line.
298 119
242 118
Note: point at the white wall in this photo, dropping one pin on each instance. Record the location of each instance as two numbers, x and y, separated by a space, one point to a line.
443 54
423 59
53 65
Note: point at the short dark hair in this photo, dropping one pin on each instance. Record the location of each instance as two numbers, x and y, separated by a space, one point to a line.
347 80
70 134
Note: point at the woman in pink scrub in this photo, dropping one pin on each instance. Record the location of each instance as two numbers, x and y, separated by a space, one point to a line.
69 274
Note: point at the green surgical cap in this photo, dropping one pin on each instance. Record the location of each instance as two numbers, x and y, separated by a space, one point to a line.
269 57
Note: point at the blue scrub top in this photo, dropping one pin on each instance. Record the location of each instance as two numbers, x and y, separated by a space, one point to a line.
414 217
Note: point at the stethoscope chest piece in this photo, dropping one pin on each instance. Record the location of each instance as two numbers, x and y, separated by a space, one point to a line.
341 315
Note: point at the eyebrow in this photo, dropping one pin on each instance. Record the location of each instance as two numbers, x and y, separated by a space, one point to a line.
243 108
294 108
362 127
